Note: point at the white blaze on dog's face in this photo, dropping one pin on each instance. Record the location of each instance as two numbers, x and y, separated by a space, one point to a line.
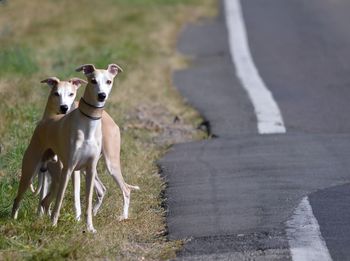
63 93
100 83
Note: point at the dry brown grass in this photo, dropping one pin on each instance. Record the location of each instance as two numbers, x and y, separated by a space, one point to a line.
45 38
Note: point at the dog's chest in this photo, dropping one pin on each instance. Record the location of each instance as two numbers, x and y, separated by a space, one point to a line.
87 147
88 151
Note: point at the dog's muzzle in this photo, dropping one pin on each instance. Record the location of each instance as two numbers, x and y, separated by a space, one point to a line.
64 109
101 96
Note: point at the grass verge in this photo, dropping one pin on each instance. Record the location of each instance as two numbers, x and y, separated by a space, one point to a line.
46 38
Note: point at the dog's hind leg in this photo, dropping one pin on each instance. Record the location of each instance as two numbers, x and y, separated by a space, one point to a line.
115 171
111 154
100 190
54 171
42 178
46 158
30 165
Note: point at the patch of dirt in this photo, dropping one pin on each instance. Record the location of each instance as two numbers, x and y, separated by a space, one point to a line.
166 128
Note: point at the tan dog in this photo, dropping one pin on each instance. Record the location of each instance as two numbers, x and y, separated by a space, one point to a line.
110 149
76 138
61 101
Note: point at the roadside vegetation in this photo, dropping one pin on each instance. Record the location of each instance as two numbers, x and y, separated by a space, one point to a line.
51 38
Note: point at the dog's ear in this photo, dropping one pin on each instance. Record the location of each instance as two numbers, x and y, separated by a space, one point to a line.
51 81
87 68
77 82
114 69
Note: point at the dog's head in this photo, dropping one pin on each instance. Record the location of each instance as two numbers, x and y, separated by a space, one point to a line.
100 82
62 94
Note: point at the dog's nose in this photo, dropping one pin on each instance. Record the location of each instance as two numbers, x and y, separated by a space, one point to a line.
64 108
102 96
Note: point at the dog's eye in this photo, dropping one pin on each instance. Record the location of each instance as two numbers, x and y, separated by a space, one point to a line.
71 94
93 81
108 81
56 94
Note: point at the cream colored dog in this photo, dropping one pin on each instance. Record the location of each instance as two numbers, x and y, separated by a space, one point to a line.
77 140
61 101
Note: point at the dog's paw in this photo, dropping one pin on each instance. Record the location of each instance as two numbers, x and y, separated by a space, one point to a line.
15 214
91 230
54 219
122 218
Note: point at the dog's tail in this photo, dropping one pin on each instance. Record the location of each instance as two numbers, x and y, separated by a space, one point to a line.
32 188
40 183
131 187
37 190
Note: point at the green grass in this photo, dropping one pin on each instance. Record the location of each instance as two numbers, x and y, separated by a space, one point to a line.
139 35
154 3
17 60
22 123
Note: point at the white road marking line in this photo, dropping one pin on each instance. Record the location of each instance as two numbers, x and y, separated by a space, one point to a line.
304 235
266 109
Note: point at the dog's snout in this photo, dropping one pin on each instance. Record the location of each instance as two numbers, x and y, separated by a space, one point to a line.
102 96
64 108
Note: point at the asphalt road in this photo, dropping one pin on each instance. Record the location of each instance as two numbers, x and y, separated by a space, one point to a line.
238 196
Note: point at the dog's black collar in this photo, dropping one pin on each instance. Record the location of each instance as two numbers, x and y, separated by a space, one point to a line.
90 117
93 106
90 111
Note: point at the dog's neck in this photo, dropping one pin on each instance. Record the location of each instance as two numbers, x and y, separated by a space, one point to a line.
89 110
50 109
48 112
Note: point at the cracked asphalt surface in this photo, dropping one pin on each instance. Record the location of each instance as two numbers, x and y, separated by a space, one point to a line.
229 197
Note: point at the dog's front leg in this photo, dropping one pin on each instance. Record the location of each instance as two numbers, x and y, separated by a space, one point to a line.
65 175
76 187
90 177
